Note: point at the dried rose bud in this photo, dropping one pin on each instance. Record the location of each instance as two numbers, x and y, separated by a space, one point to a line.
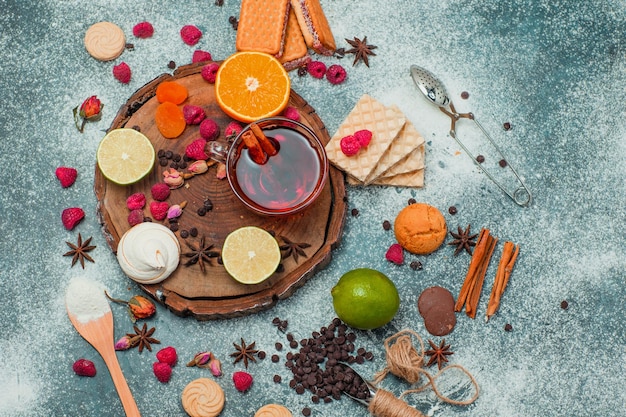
90 110
221 171
201 359
176 210
138 307
123 343
198 167
173 178
215 366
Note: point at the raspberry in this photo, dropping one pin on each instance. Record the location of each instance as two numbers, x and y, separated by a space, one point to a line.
209 72
200 56
160 191
291 113
122 72
349 145
190 34
136 201
162 371
336 74
143 30
158 209
193 115
167 355
233 129
66 176
364 137
84 367
72 216
242 380
195 150
317 69
395 254
135 217
209 130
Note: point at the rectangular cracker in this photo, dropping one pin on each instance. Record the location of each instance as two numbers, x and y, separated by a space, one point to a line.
295 52
314 26
384 123
407 141
262 25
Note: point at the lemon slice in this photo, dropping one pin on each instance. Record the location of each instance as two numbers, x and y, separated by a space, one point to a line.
250 255
125 156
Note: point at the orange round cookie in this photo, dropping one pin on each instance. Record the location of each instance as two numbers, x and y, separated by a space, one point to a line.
273 410
420 228
105 41
203 397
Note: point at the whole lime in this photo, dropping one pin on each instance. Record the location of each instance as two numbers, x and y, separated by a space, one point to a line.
365 298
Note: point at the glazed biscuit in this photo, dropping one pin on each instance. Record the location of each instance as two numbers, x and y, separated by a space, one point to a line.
314 26
273 410
105 41
203 397
295 52
420 228
262 25
383 122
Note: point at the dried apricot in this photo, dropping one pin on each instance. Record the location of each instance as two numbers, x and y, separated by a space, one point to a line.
169 120
171 91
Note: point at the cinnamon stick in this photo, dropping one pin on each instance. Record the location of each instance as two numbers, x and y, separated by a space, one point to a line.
471 304
265 143
254 147
470 277
503 274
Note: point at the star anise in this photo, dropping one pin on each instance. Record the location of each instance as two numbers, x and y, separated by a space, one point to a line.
438 353
361 50
244 352
79 251
463 240
142 338
200 254
289 248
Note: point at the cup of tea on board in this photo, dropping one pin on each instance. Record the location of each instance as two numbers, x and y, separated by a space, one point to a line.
282 181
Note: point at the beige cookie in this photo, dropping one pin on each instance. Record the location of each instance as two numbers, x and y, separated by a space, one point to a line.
203 397
105 41
273 410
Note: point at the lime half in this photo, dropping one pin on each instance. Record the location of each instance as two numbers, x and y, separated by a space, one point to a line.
125 156
250 255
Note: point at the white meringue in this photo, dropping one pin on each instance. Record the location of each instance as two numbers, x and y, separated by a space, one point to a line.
148 252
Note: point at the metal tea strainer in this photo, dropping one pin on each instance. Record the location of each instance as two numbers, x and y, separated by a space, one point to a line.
435 92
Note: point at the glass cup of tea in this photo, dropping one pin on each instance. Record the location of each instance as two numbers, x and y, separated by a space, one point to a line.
285 183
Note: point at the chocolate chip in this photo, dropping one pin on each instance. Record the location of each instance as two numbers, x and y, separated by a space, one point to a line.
464 95
411 201
171 65
201 211
302 72
184 234
275 358
507 126
564 304
261 354
508 327
452 210
306 411
480 159
130 46
278 346
169 154
163 162
193 232
174 227
416 265
386 225
277 379
354 212
502 163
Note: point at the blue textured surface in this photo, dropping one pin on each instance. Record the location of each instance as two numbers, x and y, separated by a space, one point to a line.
554 69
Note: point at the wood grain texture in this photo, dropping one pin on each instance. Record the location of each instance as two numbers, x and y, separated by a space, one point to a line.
214 294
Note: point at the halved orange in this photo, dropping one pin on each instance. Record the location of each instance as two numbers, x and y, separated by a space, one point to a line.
252 85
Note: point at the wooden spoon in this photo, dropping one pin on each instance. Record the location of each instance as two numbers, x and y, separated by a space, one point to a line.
99 333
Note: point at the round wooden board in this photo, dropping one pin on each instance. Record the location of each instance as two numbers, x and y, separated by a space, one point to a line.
214 294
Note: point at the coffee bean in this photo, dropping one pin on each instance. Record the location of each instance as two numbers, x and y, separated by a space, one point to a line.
564 305
502 163
480 159
452 210
184 234
169 154
163 162
201 211
277 379
193 232
386 225
306 411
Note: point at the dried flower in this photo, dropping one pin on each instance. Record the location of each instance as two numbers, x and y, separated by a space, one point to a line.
89 111
138 307
221 171
173 178
198 167
176 210
201 359
216 366
123 343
